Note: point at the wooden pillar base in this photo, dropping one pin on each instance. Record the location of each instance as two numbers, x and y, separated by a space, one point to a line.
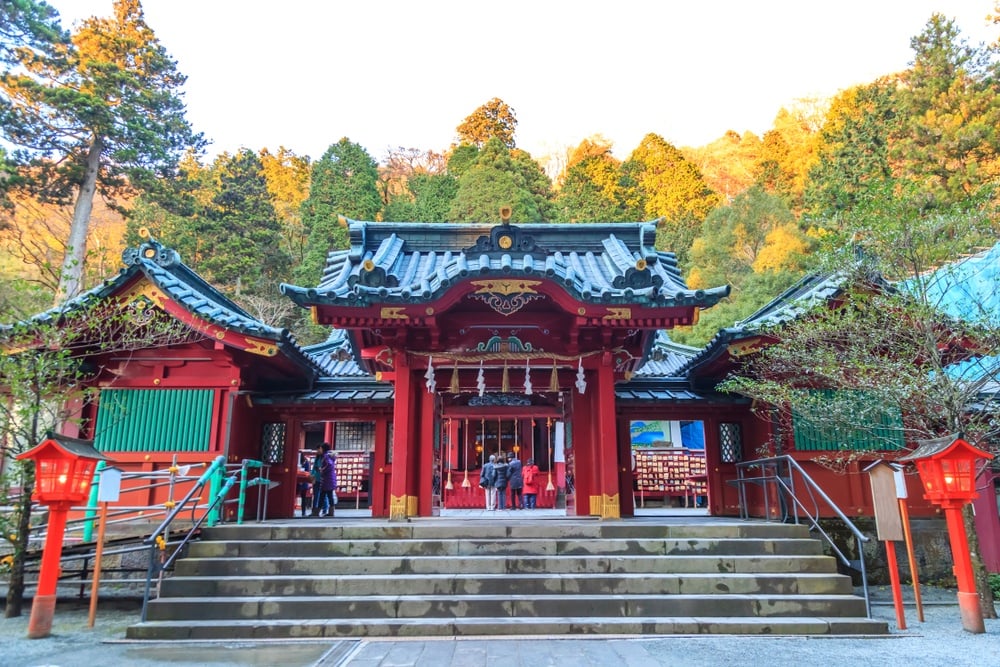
606 507
972 616
43 609
402 507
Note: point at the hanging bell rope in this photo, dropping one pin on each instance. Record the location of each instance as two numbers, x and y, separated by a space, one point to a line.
465 448
554 380
454 388
448 485
505 383
548 427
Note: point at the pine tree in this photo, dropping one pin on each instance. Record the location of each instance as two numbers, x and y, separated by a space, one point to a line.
104 116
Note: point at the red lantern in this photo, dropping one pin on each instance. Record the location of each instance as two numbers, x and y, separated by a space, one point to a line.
64 469
947 468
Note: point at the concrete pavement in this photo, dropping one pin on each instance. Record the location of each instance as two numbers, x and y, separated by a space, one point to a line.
939 640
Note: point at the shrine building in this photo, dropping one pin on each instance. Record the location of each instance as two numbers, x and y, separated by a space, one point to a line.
449 343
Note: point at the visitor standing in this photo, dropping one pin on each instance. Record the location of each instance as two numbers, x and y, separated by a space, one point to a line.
487 480
328 475
516 481
303 485
532 476
501 470
316 474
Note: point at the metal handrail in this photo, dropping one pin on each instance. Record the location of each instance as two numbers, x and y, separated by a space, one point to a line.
770 469
156 540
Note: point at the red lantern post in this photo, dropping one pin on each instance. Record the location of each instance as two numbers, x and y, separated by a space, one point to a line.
64 469
947 468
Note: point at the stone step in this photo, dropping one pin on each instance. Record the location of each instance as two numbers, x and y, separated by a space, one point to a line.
491 564
429 578
501 607
623 583
472 627
548 529
505 546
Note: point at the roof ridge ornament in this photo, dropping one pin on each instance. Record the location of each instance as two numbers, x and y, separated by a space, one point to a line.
506 237
152 250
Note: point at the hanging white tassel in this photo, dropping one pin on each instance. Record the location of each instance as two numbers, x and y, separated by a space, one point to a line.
481 380
581 383
429 376
527 378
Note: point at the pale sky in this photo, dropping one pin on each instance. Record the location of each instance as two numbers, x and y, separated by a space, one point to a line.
304 73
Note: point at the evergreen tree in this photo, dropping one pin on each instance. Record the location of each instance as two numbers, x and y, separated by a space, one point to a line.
344 182
948 141
853 153
29 32
594 189
733 237
242 229
495 179
102 117
433 196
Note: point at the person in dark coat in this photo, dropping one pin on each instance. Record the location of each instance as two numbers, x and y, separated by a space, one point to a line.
316 476
328 480
516 482
303 485
500 470
487 479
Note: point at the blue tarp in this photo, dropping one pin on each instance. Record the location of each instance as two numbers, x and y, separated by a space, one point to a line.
967 289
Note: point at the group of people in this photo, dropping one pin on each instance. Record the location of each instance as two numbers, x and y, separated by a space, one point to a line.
502 472
317 483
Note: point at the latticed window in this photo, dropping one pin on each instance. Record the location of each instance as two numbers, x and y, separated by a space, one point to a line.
389 443
730 442
272 443
354 436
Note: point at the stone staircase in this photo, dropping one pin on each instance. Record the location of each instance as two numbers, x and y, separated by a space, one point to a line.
547 577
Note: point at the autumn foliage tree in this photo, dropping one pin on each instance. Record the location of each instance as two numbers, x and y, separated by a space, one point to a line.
492 120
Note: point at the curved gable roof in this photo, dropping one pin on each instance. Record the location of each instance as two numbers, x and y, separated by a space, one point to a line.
416 262
163 268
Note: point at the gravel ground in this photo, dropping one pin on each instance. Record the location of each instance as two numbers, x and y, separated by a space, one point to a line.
939 640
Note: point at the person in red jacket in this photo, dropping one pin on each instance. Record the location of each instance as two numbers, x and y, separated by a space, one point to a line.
532 478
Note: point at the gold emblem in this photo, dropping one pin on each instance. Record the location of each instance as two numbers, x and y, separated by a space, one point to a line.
618 314
393 313
506 287
505 242
263 348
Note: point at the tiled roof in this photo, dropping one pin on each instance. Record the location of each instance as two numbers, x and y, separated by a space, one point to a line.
666 357
163 267
661 378
811 290
417 262
336 356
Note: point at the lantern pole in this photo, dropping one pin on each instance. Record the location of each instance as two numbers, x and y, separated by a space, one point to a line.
968 600
43 606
